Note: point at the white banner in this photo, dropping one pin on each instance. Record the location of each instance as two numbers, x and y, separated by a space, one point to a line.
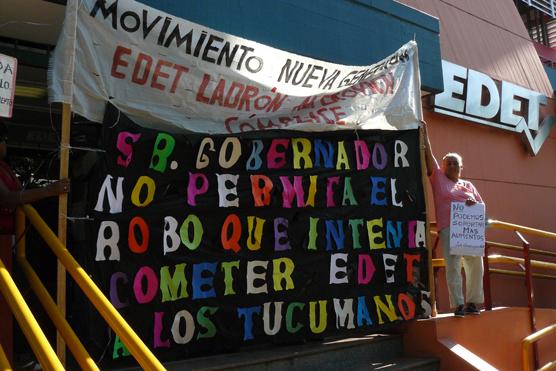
166 72
467 229
8 73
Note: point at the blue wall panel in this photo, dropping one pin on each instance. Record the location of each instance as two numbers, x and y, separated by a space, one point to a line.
353 32
551 72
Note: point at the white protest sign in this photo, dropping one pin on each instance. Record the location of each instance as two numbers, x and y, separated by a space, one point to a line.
167 73
467 229
8 71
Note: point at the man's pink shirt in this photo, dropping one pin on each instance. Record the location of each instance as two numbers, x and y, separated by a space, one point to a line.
446 191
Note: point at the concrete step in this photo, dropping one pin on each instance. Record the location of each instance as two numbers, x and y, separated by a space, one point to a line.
371 352
402 364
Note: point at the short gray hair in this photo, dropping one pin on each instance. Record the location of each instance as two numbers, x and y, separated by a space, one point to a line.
455 155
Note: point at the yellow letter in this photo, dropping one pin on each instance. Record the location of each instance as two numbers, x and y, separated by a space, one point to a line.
373 236
342 160
322 316
286 274
254 244
143 180
389 310
301 153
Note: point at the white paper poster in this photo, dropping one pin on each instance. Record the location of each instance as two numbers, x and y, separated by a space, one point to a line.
170 74
467 229
8 72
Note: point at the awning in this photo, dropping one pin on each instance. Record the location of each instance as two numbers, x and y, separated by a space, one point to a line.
546 53
487 36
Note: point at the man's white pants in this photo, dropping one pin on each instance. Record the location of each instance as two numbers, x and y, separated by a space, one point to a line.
473 266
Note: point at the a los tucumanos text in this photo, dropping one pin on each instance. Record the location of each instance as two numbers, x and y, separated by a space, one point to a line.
212 242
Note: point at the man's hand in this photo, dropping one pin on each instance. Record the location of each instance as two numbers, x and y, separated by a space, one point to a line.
59 187
470 202
430 160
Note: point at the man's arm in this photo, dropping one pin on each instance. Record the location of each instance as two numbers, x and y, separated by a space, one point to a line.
478 197
429 157
17 198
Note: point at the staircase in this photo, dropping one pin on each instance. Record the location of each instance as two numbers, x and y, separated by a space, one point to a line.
371 352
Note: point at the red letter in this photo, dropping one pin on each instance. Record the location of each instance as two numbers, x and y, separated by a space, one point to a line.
409 259
261 194
117 61
158 73
179 71
232 242
409 312
132 240
143 79
200 97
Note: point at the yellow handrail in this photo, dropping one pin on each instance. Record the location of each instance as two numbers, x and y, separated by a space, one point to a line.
529 340
31 329
515 227
495 258
512 247
520 249
76 347
438 263
135 345
4 363
508 272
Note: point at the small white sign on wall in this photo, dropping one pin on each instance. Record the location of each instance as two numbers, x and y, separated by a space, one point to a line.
467 229
8 71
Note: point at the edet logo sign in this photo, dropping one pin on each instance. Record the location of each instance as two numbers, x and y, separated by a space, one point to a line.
474 96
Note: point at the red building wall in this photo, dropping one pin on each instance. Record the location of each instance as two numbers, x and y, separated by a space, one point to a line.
517 188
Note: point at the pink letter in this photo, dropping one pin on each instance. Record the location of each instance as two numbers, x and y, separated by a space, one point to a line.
193 190
330 191
125 147
275 159
365 269
158 342
290 191
152 285
411 226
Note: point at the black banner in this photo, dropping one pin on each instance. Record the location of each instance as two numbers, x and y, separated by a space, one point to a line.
207 243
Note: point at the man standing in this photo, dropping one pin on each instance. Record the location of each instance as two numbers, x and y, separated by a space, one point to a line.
448 187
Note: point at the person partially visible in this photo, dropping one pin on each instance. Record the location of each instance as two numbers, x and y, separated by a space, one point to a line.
448 187
13 195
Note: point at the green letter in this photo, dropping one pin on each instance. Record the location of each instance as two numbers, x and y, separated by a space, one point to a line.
169 285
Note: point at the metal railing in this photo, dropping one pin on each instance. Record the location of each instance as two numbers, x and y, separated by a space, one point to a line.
4 363
31 329
134 344
495 258
526 263
74 344
545 6
531 340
